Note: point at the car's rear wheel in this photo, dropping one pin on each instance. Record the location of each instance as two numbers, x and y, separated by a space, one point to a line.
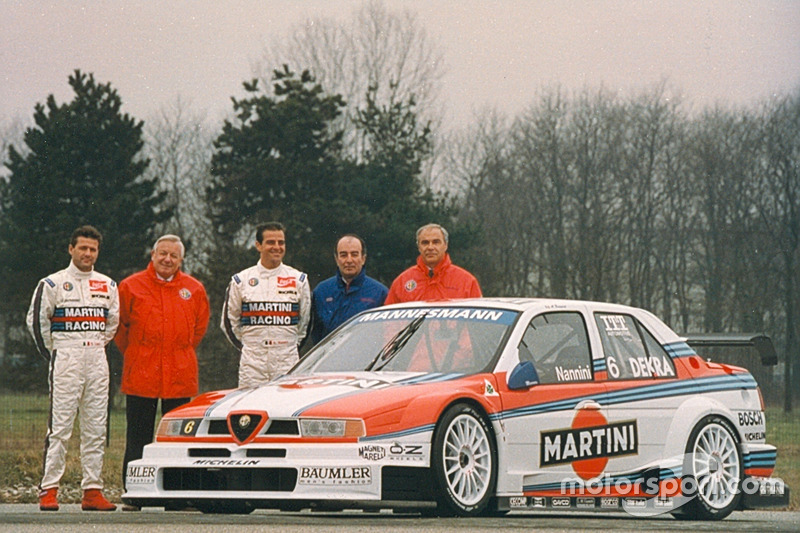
713 471
464 462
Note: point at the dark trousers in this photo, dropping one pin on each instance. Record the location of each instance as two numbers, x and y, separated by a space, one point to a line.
140 414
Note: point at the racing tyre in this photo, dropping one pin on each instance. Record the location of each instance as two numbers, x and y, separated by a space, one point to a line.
464 461
713 471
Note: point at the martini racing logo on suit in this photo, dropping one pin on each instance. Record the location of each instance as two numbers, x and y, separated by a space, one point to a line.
270 313
79 319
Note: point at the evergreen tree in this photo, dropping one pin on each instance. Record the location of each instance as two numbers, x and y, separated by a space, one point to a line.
82 166
388 199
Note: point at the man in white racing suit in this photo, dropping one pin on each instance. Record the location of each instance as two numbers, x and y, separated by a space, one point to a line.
267 309
74 313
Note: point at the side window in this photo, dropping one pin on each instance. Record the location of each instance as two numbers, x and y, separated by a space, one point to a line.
558 346
631 351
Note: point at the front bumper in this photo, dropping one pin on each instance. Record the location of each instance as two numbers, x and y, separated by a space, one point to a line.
272 475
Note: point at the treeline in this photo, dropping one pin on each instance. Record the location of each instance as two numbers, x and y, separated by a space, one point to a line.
694 215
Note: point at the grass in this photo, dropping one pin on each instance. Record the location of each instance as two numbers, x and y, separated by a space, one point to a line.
23 424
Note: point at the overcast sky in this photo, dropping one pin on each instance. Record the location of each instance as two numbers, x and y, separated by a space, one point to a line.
498 53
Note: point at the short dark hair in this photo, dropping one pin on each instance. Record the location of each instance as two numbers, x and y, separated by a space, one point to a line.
271 226
353 235
87 231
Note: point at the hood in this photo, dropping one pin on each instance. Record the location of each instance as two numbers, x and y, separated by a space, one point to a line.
293 396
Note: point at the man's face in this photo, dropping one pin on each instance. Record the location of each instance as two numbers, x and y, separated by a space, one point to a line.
166 258
431 246
84 253
349 257
272 248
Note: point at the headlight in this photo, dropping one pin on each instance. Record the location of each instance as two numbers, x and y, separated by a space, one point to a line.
178 427
321 427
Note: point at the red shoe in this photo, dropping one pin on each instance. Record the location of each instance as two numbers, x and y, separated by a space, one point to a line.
48 499
93 500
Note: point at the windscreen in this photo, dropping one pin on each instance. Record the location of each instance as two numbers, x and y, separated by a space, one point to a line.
434 339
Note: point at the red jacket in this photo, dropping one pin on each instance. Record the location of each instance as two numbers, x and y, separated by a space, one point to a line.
161 323
447 281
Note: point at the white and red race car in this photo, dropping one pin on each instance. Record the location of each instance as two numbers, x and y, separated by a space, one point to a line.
478 406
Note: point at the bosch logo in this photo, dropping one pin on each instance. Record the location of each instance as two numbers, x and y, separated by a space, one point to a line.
751 418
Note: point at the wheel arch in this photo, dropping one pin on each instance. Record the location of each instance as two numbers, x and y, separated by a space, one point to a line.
689 414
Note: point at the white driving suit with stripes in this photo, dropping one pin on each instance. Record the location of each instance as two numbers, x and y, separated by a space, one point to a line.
266 314
73 315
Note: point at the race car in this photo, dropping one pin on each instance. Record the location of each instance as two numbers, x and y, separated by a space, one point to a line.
477 407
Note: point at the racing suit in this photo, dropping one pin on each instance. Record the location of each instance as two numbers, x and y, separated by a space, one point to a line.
265 316
446 280
73 315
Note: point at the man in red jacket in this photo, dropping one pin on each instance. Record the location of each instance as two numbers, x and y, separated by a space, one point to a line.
163 317
434 277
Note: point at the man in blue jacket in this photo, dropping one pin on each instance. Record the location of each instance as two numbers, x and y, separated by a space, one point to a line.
347 293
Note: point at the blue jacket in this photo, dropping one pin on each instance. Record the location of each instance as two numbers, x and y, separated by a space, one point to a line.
333 301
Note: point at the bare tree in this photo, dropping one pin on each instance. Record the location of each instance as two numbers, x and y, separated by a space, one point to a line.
377 47
180 144
779 207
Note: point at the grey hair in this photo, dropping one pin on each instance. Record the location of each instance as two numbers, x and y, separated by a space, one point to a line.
434 226
171 238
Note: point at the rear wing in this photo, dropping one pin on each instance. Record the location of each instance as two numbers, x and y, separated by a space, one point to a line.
759 341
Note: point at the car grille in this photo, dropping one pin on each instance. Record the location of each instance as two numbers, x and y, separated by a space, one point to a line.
274 427
230 479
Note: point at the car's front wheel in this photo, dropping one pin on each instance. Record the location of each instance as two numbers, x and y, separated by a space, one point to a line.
713 471
464 461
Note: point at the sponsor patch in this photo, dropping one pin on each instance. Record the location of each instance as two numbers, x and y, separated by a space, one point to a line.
372 452
285 283
560 502
345 475
751 418
252 282
226 462
518 502
584 503
664 502
406 452
567 445
68 286
270 313
588 443
634 502
79 319
185 294
141 475
410 285
444 313
98 285
609 503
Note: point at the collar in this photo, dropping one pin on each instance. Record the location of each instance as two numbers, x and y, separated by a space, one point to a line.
264 271
355 282
438 270
78 273
151 271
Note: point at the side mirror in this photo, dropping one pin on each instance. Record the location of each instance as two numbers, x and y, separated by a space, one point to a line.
523 376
